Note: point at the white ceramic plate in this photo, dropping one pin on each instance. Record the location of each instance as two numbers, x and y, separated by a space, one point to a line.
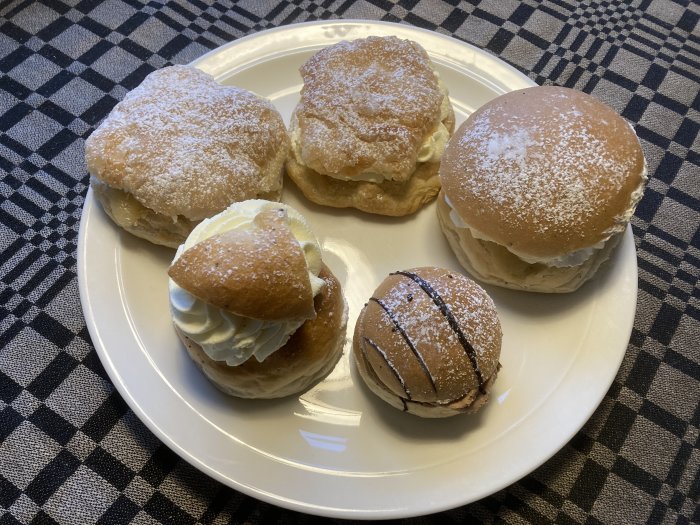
336 450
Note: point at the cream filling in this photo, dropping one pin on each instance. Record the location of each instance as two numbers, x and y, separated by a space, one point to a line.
431 149
434 146
223 335
574 258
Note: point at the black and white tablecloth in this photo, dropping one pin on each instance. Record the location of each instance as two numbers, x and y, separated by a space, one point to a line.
72 452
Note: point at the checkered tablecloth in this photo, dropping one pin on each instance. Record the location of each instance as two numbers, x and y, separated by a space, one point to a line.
71 450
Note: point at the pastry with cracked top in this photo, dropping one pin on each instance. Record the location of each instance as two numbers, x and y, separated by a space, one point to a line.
370 127
181 147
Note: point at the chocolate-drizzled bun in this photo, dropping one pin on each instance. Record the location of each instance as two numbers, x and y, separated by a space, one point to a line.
428 342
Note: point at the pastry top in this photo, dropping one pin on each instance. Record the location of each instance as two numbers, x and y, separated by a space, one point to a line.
544 171
367 107
430 335
242 270
182 144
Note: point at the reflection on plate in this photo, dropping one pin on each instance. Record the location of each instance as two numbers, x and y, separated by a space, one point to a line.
336 450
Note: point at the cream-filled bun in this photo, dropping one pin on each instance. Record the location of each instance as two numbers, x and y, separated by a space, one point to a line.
257 309
370 127
179 148
428 342
538 186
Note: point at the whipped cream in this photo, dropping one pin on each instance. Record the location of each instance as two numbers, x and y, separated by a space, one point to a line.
569 259
434 146
223 335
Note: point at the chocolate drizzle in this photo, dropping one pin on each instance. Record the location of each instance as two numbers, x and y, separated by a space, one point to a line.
389 364
410 344
445 310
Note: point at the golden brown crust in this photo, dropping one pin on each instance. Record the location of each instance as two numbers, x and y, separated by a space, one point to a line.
544 171
429 337
183 145
388 198
310 354
239 270
367 105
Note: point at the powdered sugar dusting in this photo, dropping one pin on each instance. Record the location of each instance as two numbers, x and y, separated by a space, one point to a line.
551 166
244 259
367 104
432 335
476 315
514 155
184 145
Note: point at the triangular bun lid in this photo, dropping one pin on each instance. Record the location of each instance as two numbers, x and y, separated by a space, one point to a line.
258 272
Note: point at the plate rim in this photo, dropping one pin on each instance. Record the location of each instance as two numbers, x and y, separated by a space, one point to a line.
116 377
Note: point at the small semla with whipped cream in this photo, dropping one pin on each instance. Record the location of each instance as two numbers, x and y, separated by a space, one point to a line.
257 309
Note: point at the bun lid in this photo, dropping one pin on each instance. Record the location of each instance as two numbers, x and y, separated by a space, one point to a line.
259 273
544 171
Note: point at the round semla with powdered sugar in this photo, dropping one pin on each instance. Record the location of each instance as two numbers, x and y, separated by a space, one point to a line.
428 342
538 187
